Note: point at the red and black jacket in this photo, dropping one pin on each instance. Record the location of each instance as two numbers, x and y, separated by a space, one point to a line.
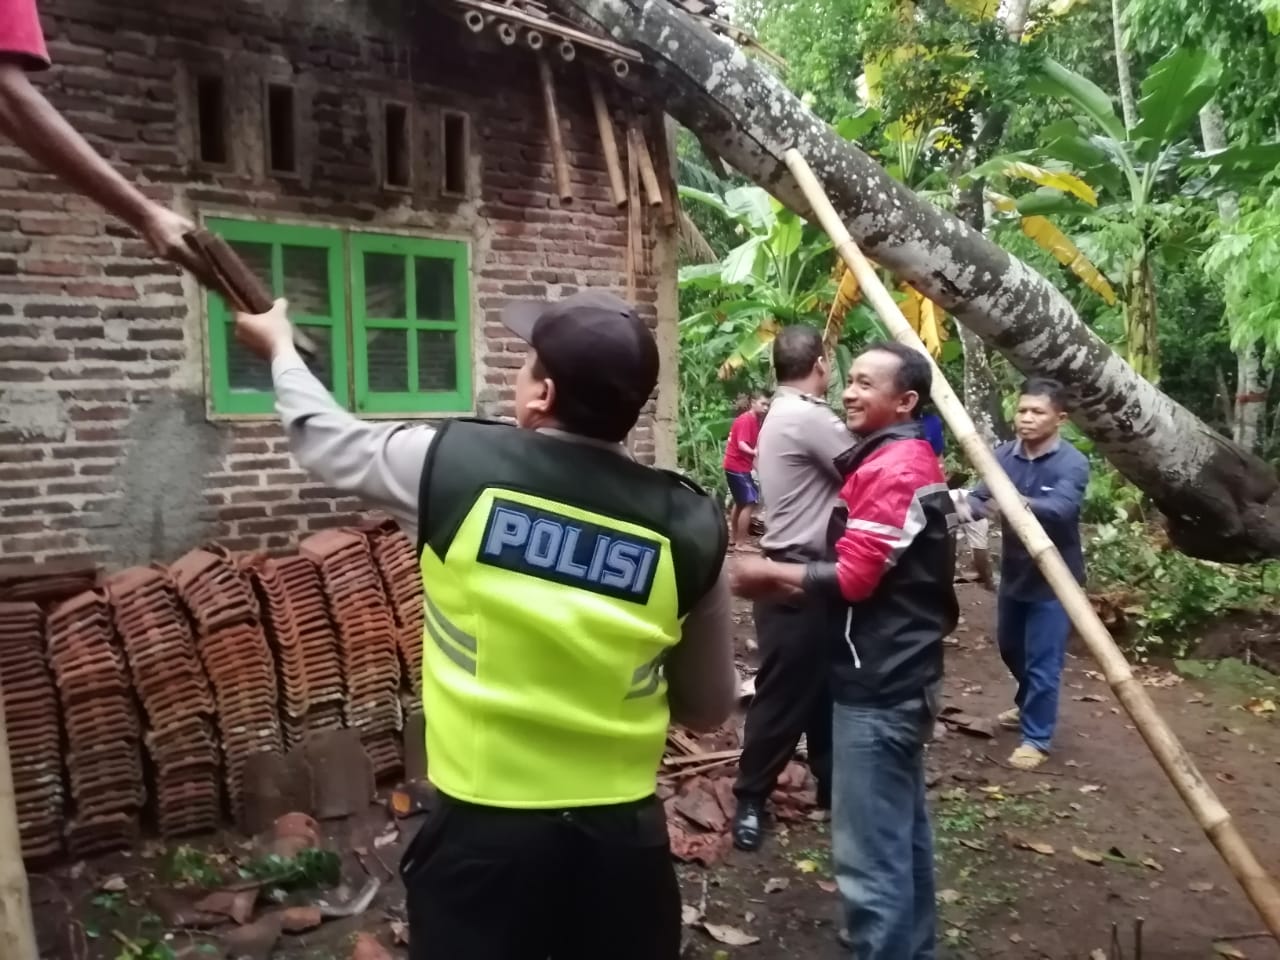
894 566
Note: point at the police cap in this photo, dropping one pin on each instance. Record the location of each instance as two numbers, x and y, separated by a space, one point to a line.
600 354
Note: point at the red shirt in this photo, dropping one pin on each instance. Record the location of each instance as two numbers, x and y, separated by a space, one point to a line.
745 429
20 34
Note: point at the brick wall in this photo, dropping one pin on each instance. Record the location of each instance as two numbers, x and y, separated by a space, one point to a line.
107 449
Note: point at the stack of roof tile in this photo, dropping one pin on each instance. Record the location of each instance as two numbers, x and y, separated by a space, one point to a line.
35 738
104 757
176 702
234 650
367 640
46 583
402 579
312 690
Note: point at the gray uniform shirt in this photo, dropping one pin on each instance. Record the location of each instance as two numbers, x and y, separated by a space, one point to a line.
382 463
799 442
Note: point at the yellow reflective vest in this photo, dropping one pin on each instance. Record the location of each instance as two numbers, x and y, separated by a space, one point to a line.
556 577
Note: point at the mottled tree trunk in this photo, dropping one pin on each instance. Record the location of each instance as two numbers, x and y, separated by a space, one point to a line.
1128 107
1221 501
981 391
1251 393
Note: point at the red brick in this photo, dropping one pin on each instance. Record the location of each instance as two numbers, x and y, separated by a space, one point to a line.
27 330
269 525
222 480
106 291
23 353
24 453
98 414
36 471
43 226
88 331
260 496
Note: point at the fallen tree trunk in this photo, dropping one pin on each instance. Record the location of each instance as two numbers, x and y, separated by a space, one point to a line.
1222 503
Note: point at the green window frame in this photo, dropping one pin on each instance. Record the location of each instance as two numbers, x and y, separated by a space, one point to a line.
420 348
433 307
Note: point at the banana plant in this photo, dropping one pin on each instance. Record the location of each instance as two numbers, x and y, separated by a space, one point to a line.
771 279
1093 168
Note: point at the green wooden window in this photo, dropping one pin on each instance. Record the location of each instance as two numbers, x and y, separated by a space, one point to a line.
390 315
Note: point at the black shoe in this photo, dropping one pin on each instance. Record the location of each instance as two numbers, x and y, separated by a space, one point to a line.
748 825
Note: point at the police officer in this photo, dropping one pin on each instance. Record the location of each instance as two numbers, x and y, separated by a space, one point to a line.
802 443
574 604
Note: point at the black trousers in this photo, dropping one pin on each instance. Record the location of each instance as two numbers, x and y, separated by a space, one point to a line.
793 696
485 883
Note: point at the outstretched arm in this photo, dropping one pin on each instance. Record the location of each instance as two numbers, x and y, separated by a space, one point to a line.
32 122
378 461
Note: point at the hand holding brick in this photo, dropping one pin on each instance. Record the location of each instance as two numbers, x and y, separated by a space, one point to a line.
268 334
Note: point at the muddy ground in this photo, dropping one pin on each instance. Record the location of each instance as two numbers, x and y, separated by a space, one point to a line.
1039 864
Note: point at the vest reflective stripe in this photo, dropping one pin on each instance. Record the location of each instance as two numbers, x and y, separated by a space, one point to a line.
461 658
546 630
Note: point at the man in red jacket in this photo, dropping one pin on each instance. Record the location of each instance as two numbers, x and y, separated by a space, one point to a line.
893 567
739 459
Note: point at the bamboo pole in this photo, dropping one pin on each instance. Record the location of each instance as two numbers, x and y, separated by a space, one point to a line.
559 158
648 176
608 142
635 230
1177 764
17 930
664 161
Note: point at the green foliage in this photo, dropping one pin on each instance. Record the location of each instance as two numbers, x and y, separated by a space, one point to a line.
1166 594
310 868
1245 257
192 867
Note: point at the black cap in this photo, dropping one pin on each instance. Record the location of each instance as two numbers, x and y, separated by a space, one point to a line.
601 356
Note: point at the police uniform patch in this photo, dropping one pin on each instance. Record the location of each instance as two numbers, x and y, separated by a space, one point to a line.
569 551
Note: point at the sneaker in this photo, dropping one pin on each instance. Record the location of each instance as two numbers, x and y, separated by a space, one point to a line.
1011 719
748 825
1027 757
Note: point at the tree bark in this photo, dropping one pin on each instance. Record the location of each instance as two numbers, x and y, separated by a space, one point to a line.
1221 502
1127 104
1251 393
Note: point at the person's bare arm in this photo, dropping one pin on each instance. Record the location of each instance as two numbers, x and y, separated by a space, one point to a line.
34 124
702 682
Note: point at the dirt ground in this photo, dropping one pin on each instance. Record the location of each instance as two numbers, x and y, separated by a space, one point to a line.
1113 843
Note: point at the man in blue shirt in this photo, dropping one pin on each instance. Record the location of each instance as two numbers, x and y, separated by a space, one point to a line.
1032 627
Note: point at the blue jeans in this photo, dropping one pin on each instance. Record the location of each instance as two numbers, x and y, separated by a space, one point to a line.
882 842
1032 636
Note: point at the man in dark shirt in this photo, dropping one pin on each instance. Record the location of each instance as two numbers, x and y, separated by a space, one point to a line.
1032 626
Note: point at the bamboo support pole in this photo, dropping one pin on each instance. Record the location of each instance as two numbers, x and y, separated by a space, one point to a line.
559 157
648 176
608 142
17 929
635 231
664 160
1177 764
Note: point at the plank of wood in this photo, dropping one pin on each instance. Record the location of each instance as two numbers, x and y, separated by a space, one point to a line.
701 757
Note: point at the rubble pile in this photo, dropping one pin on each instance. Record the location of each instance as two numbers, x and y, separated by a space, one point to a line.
696 788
